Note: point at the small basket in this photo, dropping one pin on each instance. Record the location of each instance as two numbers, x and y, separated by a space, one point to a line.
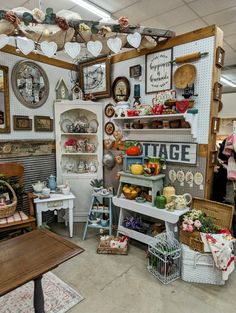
129 195
8 209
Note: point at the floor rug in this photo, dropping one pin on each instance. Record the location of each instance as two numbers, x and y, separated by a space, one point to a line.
58 297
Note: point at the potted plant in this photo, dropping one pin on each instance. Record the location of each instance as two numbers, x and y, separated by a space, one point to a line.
71 145
97 184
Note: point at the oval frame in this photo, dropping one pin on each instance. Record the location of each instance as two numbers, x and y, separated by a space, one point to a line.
109 133
127 83
18 95
112 110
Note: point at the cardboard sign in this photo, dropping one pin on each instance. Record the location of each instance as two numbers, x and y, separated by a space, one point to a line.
176 152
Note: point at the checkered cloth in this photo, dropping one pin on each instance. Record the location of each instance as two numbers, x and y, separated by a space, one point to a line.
17 217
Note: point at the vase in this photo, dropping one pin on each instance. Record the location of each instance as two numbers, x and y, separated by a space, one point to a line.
154 164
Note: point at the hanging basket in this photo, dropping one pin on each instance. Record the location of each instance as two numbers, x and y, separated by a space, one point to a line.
8 209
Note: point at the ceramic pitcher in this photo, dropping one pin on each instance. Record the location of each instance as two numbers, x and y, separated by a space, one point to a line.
182 201
52 184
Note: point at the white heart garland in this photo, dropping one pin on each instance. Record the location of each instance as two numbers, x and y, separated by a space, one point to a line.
94 47
4 39
114 44
134 39
72 49
48 48
25 45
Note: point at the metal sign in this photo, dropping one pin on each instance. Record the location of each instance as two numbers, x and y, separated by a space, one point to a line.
176 152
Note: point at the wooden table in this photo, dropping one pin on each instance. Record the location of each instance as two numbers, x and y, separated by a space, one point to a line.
56 202
28 257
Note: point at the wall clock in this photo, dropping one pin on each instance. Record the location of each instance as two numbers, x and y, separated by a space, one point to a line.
95 77
30 84
121 89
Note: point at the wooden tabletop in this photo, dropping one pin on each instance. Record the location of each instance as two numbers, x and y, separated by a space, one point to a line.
28 256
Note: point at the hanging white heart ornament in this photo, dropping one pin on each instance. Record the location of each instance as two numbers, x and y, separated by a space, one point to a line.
94 47
25 45
48 48
114 44
72 49
134 39
4 39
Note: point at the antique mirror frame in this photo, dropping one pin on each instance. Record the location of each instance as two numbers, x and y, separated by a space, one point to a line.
19 96
6 113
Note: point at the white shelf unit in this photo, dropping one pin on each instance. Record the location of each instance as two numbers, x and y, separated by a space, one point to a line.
170 218
79 182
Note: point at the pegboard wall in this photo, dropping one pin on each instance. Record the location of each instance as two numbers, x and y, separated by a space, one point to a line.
16 108
202 84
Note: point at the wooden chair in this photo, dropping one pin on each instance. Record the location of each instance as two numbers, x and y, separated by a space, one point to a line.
29 221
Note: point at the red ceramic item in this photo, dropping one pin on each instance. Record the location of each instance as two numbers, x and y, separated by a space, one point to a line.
157 109
182 105
133 151
132 112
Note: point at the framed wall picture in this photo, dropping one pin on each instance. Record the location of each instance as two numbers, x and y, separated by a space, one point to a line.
121 89
135 71
213 158
21 122
95 77
220 57
43 123
217 92
158 71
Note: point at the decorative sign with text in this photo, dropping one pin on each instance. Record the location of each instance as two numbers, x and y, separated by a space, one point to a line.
158 71
176 152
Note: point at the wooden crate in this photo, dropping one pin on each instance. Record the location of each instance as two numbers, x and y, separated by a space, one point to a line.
104 248
222 215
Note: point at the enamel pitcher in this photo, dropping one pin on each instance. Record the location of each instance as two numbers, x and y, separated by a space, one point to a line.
52 184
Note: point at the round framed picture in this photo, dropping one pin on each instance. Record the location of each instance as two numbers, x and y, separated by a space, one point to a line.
109 110
109 128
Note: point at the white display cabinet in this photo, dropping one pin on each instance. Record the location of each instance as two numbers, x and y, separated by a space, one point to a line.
80 166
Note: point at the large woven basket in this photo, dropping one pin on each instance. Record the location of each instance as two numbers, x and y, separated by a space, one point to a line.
222 215
8 209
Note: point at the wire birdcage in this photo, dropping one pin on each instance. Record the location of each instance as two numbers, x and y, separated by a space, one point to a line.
164 259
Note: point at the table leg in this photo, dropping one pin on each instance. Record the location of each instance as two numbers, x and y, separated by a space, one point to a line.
71 205
38 295
39 218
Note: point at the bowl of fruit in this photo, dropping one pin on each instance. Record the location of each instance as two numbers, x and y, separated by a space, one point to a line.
130 191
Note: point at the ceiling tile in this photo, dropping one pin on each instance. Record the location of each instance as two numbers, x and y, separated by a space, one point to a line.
85 14
203 7
231 40
174 17
144 10
188 27
229 29
113 5
222 18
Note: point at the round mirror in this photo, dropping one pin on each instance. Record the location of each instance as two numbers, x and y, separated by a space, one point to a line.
30 84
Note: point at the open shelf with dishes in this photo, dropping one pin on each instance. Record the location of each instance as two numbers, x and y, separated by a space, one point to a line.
79 150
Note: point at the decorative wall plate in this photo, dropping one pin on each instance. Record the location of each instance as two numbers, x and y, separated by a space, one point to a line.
189 177
180 176
198 178
93 125
185 75
65 124
109 128
172 176
109 110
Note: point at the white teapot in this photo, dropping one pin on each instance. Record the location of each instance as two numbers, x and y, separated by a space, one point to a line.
181 201
92 167
38 187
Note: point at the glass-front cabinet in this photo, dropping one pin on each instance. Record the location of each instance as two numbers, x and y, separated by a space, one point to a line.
79 149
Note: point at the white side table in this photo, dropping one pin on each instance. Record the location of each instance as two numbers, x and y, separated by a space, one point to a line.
56 202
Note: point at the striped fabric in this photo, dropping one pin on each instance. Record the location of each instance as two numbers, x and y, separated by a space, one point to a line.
17 217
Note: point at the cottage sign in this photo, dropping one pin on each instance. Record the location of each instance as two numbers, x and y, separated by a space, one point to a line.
176 152
158 71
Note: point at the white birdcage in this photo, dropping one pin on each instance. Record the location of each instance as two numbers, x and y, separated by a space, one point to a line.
164 260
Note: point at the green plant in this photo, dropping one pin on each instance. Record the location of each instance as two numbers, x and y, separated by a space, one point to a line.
96 183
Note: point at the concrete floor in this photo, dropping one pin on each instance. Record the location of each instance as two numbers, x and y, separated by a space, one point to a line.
122 284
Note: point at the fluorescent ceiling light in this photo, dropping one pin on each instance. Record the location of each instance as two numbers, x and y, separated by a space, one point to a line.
92 8
227 81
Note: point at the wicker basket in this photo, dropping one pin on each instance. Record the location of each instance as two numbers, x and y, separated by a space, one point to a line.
8 209
222 215
129 195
